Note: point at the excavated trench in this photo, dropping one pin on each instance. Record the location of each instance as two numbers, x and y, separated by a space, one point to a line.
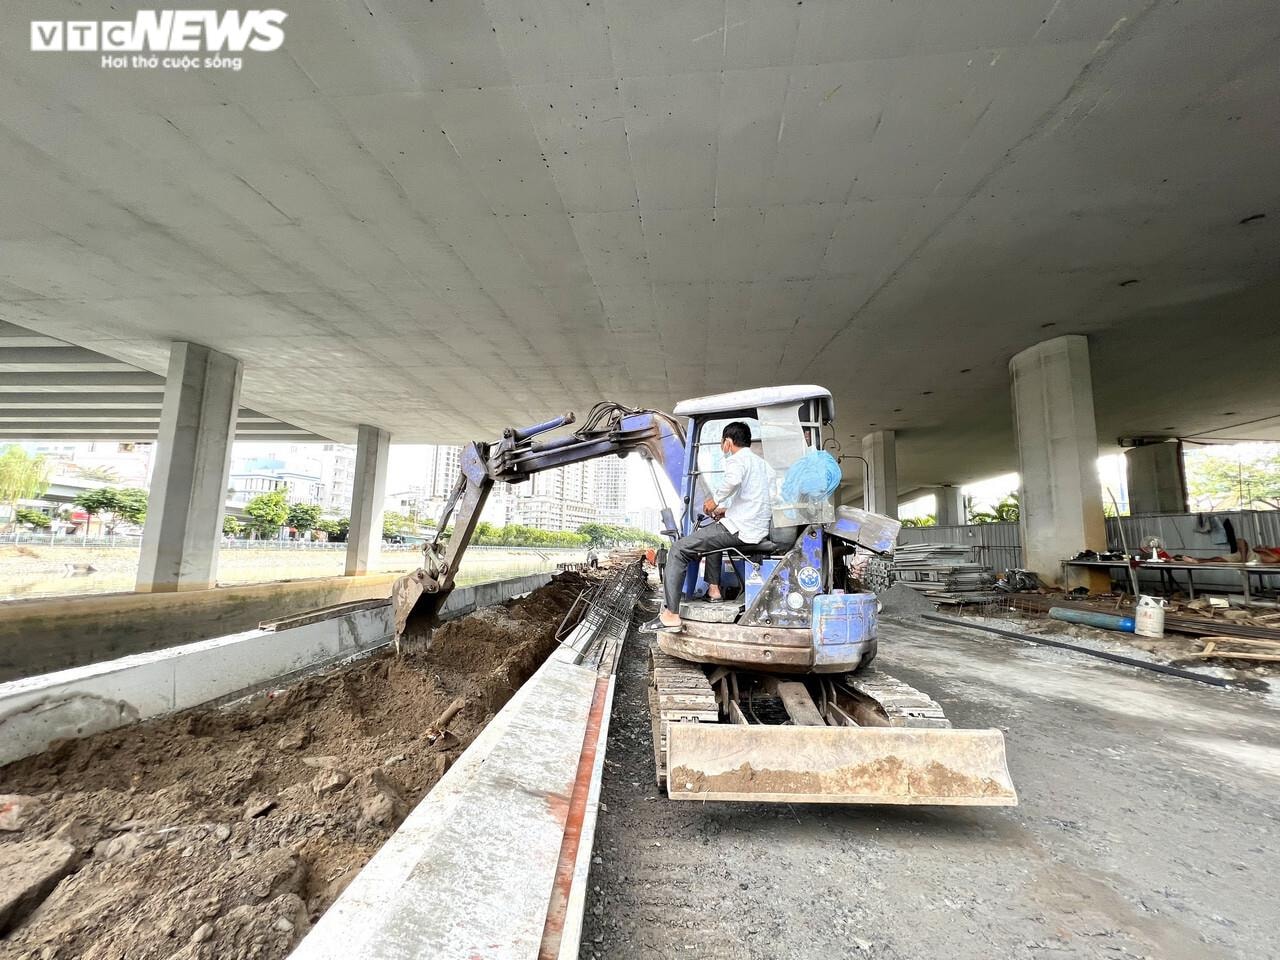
226 832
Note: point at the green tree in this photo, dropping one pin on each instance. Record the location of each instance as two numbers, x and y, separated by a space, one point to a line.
1006 511
303 516
22 477
131 507
230 526
929 520
1240 477
393 523
127 504
96 503
267 513
605 535
33 518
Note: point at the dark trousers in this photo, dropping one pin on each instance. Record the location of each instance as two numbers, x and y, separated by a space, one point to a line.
690 548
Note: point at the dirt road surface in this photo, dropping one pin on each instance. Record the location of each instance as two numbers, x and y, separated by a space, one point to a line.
1147 828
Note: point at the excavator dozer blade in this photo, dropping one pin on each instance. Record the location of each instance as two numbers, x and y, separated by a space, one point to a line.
813 764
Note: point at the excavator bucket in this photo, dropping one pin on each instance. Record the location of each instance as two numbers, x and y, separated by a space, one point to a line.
821 764
415 597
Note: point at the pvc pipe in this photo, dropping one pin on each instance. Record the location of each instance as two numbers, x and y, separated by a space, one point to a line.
1092 618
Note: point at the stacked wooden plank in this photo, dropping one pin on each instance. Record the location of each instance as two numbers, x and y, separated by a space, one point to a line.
1234 648
942 571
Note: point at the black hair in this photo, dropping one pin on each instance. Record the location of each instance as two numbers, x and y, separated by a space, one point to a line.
738 432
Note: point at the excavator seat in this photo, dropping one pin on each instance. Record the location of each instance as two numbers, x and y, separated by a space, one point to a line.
775 546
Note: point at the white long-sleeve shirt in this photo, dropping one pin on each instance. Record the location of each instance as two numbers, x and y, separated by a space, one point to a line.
744 493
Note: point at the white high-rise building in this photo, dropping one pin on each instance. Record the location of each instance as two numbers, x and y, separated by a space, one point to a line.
610 490
337 477
444 465
560 499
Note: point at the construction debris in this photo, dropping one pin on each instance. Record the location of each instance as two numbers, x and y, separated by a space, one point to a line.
902 600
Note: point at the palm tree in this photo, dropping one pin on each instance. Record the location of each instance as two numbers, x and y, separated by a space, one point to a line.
1006 511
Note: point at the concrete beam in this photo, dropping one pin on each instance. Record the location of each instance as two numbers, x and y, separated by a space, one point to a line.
1061 498
1156 479
82 400
123 380
188 488
364 538
881 454
56 414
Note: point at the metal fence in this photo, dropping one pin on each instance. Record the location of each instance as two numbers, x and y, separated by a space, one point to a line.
40 539
999 545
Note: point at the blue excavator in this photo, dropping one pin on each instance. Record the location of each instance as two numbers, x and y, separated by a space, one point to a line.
772 695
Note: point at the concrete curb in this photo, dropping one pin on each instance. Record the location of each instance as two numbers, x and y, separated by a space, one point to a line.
35 711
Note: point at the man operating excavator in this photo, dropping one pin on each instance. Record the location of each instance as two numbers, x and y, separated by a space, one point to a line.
742 510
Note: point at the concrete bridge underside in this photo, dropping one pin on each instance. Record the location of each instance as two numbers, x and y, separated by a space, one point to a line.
437 218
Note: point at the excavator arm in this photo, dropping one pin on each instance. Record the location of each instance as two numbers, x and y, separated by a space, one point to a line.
609 428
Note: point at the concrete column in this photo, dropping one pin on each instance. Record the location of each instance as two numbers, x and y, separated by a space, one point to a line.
950 508
882 494
193 458
1061 497
1157 483
364 539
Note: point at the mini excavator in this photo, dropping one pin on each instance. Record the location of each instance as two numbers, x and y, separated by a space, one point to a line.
773 695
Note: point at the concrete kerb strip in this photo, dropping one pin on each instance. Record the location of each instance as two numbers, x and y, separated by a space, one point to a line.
35 711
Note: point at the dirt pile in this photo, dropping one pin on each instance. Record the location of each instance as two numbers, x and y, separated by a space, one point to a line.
224 833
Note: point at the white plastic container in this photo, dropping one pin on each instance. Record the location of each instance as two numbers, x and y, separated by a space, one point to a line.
1148 618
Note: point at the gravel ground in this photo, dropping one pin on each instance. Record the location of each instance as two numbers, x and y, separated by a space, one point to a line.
1147 828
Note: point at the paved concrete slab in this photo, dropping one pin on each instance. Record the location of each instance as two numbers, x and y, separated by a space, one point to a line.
1147 828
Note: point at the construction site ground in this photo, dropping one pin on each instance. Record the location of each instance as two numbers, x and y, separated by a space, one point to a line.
224 833
1147 828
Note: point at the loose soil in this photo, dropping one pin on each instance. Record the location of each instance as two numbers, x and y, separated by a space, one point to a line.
225 833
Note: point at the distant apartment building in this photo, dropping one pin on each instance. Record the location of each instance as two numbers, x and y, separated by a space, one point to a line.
444 465
648 519
337 477
560 499
609 490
